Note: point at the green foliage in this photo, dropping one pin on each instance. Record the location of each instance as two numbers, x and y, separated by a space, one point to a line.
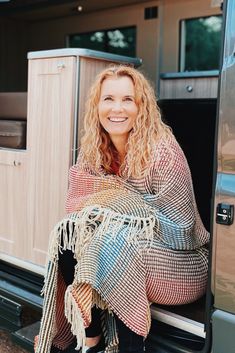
203 38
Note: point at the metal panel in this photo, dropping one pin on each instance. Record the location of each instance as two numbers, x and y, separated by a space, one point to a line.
223 332
224 235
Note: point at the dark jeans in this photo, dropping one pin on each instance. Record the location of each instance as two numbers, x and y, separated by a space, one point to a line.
129 342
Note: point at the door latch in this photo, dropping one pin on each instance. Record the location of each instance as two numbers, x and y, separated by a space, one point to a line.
224 214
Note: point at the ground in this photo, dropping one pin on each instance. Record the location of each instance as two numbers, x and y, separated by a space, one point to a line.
29 316
7 346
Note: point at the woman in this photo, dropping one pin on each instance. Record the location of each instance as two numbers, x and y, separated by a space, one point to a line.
133 232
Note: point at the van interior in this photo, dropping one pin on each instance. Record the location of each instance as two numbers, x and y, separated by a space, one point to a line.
193 123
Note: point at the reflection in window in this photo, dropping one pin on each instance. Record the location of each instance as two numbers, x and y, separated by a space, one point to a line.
120 41
200 43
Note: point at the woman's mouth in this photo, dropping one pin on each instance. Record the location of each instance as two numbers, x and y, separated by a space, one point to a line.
116 119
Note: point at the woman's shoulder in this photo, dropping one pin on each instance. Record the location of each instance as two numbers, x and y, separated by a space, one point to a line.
81 169
166 149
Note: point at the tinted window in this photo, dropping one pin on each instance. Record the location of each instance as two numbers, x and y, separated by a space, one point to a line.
200 43
120 41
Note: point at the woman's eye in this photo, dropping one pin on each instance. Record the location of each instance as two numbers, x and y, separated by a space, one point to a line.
108 98
128 99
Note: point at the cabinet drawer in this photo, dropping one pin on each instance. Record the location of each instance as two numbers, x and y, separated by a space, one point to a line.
188 88
12 134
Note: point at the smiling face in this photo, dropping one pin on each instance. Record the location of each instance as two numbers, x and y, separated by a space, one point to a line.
117 107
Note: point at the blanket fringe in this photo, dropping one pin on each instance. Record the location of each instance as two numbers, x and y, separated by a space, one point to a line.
76 230
74 317
98 301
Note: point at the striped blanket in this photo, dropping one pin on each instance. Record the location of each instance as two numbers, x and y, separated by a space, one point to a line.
136 241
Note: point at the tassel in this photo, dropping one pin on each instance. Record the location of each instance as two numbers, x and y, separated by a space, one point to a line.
98 301
74 317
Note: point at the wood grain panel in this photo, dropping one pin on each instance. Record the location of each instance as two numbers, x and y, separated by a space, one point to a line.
50 126
189 88
13 205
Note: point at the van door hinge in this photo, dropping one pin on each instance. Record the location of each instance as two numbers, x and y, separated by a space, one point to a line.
224 214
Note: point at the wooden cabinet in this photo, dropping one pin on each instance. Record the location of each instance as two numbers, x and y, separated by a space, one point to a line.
13 205
34 182
188 85
50 140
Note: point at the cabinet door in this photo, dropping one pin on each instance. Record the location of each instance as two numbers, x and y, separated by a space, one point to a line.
13 203
50 135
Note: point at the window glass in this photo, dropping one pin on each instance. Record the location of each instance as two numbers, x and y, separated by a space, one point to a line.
200 43
120 41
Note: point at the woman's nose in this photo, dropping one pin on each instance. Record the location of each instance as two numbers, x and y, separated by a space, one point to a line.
117 106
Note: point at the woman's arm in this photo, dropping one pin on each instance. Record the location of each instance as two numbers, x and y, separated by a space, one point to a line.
179 223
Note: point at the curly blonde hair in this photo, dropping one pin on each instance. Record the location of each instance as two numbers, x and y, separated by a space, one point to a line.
97 149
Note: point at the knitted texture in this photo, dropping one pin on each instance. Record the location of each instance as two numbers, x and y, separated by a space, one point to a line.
136 241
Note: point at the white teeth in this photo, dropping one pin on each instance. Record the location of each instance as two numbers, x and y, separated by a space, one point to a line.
115 119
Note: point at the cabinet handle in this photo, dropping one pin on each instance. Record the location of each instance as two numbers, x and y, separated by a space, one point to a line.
61 65
16 163
13 164
189 88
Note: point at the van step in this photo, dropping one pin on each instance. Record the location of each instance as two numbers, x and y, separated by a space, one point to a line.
10 314
163 338
25 336
178 321
20 285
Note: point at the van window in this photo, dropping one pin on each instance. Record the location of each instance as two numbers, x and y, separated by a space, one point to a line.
200 43
120 41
